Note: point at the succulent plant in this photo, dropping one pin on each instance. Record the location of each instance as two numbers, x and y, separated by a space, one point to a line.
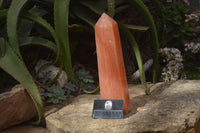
53 94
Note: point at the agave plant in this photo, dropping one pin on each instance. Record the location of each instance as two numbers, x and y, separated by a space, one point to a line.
13 13
11 59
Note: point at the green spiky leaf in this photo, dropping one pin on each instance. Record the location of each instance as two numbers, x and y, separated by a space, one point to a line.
23 41
2 47
84 14
1 2
160 11
143 10
121 8
25 28
16 68
61 12
111 8
39 20
137 27
95 7
138 56
12 20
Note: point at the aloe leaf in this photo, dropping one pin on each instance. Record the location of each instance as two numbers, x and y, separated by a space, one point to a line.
15 67
160 11
99 7
12 19
119 2
111 8
25 28
136 50
136 27
121 8
23 41
2 47
143 10
79 28
3 13
95 91
1 2
84 15
38 11
61 13
39 20
92 5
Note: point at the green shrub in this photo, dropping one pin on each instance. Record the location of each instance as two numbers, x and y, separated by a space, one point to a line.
85 80
178 30
53 94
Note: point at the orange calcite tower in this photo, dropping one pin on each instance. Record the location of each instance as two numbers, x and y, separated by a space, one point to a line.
112 76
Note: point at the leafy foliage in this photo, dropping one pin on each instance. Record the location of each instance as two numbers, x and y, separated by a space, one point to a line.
178 31
84 76
191 60
72 87
53 94
85 80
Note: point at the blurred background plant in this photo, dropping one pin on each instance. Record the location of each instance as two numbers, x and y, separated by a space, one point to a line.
181 34
179 28
191 60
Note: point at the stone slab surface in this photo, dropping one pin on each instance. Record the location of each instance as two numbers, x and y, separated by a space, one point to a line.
16 106
26 129
171 108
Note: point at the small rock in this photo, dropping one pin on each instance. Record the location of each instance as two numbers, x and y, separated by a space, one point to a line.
62 79
49 73
16 106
